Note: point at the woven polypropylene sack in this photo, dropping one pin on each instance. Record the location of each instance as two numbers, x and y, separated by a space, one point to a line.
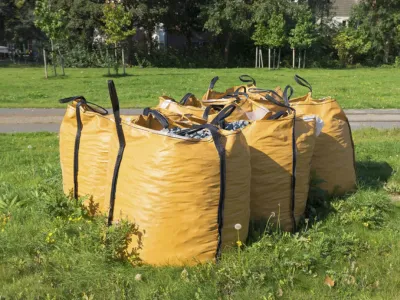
279 148
169 104
170 185
212 97
333 160
86 149
274 158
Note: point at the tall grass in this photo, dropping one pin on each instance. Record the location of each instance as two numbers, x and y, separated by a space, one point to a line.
50 248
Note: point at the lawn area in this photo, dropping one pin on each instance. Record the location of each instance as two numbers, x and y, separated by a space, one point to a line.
50 249
354 88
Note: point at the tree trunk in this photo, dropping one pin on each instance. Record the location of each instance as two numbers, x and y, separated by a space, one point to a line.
269 58
261 59
299 66
45 63
256 57
123 61
293 57
304 59
53 58
62 61
274 61
227 48
279 58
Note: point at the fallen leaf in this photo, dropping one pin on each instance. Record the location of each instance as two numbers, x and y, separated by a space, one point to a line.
329 282
351 280
376 284
279 293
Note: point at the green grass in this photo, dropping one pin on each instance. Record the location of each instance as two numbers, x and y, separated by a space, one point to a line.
49 248
354 88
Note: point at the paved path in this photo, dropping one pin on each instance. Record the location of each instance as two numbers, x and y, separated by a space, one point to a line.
42 119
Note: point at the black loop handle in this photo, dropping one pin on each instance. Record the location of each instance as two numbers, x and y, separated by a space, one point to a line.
213 82
70 99
90 105
196 128
260 91
301 81
237 93
286 96
185 98
101 109
156 114
247 78
223 114
208 110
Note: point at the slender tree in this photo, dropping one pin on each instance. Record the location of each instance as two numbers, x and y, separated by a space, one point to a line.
52 23
276 37
302 36
116 26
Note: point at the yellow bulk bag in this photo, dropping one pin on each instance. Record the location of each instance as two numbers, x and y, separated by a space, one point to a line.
214 95
180 120
281 147
84 141
184 194
213 98
334 158
171 105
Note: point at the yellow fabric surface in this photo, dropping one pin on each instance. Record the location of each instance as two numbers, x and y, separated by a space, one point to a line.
93 154
169 186
333 159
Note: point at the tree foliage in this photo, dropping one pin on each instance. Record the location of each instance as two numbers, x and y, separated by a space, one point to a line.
116 23
302 35
351 44
379 22
50 21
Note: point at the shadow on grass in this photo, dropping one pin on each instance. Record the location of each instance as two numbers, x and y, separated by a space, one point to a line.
119 75
370 174
373 174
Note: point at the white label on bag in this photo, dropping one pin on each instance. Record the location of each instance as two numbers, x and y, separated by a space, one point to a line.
319 124
165 104
257 114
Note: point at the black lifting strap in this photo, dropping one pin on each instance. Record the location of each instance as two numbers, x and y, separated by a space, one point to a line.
156 114
185 98
217 138
213 82
219 120
247 78
294 167
121 139
77 137
301 81
80 100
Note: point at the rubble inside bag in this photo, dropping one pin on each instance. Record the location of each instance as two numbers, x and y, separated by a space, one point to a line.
236 125
201 134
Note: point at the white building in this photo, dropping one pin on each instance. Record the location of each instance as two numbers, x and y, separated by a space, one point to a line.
341 11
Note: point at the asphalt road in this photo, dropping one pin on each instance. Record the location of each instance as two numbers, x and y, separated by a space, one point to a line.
42 119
